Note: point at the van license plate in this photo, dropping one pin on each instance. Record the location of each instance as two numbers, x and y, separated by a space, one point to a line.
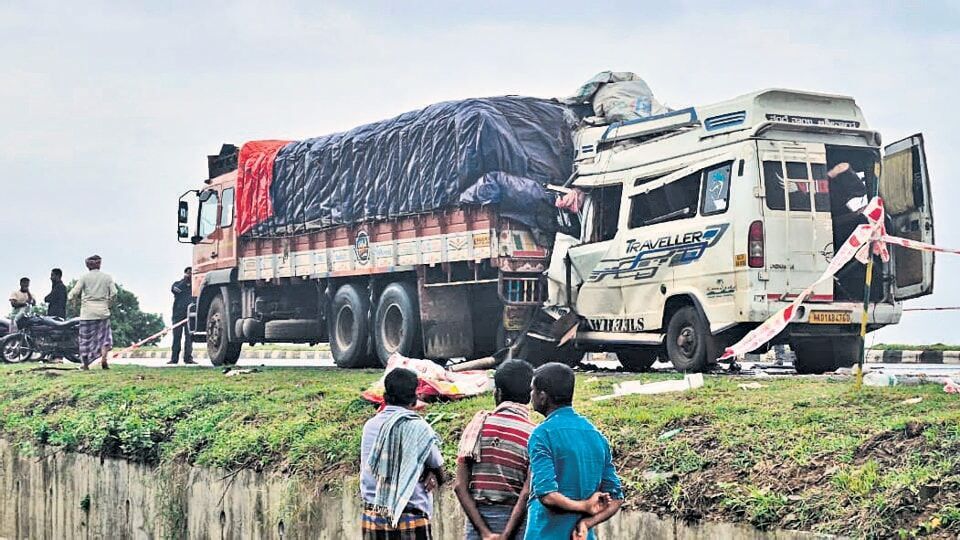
829 317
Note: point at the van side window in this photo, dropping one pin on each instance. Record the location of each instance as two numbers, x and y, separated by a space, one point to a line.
606 208
676 200
716 189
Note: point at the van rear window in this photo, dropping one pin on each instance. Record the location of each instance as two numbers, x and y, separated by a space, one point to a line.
796 187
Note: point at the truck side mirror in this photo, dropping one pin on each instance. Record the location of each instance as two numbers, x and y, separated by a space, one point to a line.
183 213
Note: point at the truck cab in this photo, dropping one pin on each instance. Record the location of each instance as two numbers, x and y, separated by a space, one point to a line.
701 223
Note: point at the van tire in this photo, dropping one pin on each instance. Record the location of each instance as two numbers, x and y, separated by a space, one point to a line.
397 322
823 355
221 351
639 359
349 328
690 346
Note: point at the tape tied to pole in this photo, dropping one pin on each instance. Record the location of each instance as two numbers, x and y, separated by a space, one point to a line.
866 239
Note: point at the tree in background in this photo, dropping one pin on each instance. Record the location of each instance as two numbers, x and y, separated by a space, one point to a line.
128 324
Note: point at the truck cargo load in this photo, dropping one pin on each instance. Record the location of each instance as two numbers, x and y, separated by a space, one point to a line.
415 163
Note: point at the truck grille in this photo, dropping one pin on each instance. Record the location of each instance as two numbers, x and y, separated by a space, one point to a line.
522 291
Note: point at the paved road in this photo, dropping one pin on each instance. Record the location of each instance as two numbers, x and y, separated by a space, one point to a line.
901 369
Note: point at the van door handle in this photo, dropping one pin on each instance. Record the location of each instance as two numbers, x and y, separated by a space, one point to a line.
213 255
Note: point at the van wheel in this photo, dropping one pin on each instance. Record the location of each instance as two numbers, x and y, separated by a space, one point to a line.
638 359
816 356
690 346
219 349
397 322
349 332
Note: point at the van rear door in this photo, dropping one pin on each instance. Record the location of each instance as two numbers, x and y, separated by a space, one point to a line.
796 216
905 188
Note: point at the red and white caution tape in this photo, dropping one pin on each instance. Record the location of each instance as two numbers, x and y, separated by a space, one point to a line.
870 236
140 343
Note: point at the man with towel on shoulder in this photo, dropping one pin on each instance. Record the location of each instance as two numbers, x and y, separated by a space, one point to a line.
400 465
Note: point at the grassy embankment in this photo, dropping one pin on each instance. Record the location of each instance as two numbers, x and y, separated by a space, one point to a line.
800 453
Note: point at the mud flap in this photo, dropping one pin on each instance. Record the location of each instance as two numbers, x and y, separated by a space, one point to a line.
446 321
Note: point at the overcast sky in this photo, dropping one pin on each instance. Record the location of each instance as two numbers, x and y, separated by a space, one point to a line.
107 110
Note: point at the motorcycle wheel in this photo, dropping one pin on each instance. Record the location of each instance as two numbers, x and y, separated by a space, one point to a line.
16 349
71 357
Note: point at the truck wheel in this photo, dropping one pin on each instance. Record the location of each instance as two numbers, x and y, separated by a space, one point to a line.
349 332
638 358
397 322
219 349
690 346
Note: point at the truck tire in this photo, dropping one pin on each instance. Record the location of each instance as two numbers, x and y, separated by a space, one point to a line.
292 330
638 359
397 322
690 346
221 351
349 329
823 355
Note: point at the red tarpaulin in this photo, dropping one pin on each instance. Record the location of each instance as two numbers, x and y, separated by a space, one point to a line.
254 176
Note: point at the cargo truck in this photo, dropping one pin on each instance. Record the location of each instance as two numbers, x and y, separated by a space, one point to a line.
692 227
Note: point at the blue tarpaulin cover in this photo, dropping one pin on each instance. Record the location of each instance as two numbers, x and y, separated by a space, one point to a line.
418 162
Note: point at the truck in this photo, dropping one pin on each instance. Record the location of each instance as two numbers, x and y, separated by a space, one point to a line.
689 229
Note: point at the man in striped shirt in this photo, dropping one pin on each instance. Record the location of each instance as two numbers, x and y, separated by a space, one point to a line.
492 460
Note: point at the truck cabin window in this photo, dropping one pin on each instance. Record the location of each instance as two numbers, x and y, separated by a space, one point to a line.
209 202
676 200
801 183
605 207
226 205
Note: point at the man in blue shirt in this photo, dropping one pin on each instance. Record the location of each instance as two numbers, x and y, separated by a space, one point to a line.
574 486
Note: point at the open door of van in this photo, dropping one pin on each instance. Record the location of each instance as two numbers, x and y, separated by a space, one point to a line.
905 188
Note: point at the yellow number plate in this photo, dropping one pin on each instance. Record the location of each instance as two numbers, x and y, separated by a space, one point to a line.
829 317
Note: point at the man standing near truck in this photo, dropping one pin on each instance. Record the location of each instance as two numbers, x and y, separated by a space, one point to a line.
97 293
573 484
492 459
57 299
182 297
400 465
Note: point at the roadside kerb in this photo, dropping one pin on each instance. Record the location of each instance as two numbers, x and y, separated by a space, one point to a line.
913 357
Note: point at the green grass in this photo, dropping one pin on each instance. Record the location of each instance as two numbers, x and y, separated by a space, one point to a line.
802 453
939 347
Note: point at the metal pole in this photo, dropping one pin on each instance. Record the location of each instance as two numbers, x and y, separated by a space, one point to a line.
868 280
863 320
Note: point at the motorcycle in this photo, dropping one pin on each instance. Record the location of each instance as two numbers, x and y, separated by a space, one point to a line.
38 336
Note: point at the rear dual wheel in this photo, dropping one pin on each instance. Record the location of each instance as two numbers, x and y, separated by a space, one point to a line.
395 328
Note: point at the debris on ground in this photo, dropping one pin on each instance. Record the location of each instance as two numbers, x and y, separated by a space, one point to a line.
689 382
911 401
751 386
666 435
231 372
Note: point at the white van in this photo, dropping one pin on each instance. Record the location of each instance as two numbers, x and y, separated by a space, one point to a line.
701 223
